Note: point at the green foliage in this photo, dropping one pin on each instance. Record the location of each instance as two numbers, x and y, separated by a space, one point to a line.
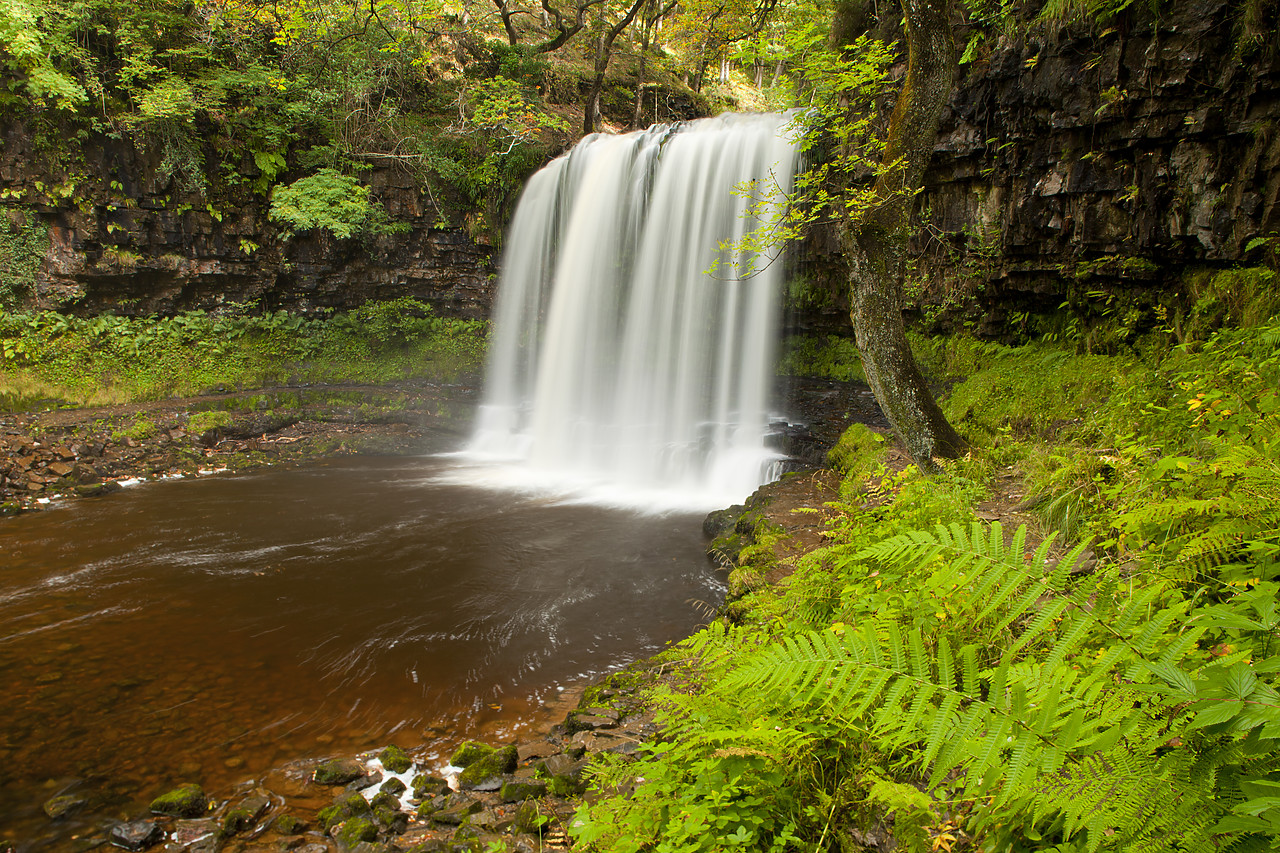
825 356
1012 693
329 200
98 359
22 248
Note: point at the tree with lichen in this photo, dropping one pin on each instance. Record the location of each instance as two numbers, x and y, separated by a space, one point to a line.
874 241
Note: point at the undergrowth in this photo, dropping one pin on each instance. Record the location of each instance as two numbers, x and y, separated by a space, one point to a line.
1103 680
53 358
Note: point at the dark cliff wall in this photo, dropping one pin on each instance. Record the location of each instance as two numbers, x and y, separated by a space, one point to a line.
123 236
1096 167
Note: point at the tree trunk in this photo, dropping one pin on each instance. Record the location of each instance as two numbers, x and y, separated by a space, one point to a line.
506 13
591 110
876 245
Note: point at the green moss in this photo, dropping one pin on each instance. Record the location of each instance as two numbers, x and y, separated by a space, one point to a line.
821 356
22 249
345 807
355 830
202 422
395 759
184 801
495 763
469 752
859 451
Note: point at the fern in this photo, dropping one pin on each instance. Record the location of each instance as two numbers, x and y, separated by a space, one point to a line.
1021 728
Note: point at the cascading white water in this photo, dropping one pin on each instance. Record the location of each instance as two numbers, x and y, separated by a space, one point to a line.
617 361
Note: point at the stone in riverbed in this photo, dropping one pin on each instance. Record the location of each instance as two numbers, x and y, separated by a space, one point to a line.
351 832
484 769
519 791
64 805
136 835
344 808
469 752
456 810
395 759
429 786
338 771
393 786
184 801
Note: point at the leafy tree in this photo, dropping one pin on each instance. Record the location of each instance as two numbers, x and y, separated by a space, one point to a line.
329 200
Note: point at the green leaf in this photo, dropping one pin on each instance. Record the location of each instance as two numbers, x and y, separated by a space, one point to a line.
1212 712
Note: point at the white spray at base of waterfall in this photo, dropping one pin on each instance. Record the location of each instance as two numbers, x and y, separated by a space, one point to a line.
621 371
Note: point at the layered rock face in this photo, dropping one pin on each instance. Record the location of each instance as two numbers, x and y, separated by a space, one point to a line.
1072 162
123 237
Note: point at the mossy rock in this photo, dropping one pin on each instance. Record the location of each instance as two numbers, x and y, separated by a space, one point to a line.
64 805
489 767
184 801
287 824
429 786
236 821
384 799
392 819
469 752
338 771
518 791
345 807
395 760
354 830
859 451
394 787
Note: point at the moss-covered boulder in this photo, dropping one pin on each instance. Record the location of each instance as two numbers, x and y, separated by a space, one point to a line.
184 801
287 824
470 752
427 785
345 807
338 771
395 760
519 790
235 821
487 772
351 832
394 787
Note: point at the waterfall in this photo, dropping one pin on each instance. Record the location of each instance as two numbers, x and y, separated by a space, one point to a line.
618 363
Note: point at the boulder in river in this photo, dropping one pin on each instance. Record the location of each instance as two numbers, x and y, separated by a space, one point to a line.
183 801
395 759
338 771
136 835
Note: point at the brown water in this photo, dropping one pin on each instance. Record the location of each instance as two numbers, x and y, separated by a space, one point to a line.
209 630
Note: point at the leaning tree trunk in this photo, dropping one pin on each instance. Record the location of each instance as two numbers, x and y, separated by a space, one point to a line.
876 245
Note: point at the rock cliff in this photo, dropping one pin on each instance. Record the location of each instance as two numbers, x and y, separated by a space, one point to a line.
123 236
1095 166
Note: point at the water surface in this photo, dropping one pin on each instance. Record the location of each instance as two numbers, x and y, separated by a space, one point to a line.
209 630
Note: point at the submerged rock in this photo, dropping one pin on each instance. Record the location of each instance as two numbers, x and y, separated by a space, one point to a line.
64 805
184 801
338 771
136 835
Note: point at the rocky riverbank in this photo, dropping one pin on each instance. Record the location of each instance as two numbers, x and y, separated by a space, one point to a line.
53 455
